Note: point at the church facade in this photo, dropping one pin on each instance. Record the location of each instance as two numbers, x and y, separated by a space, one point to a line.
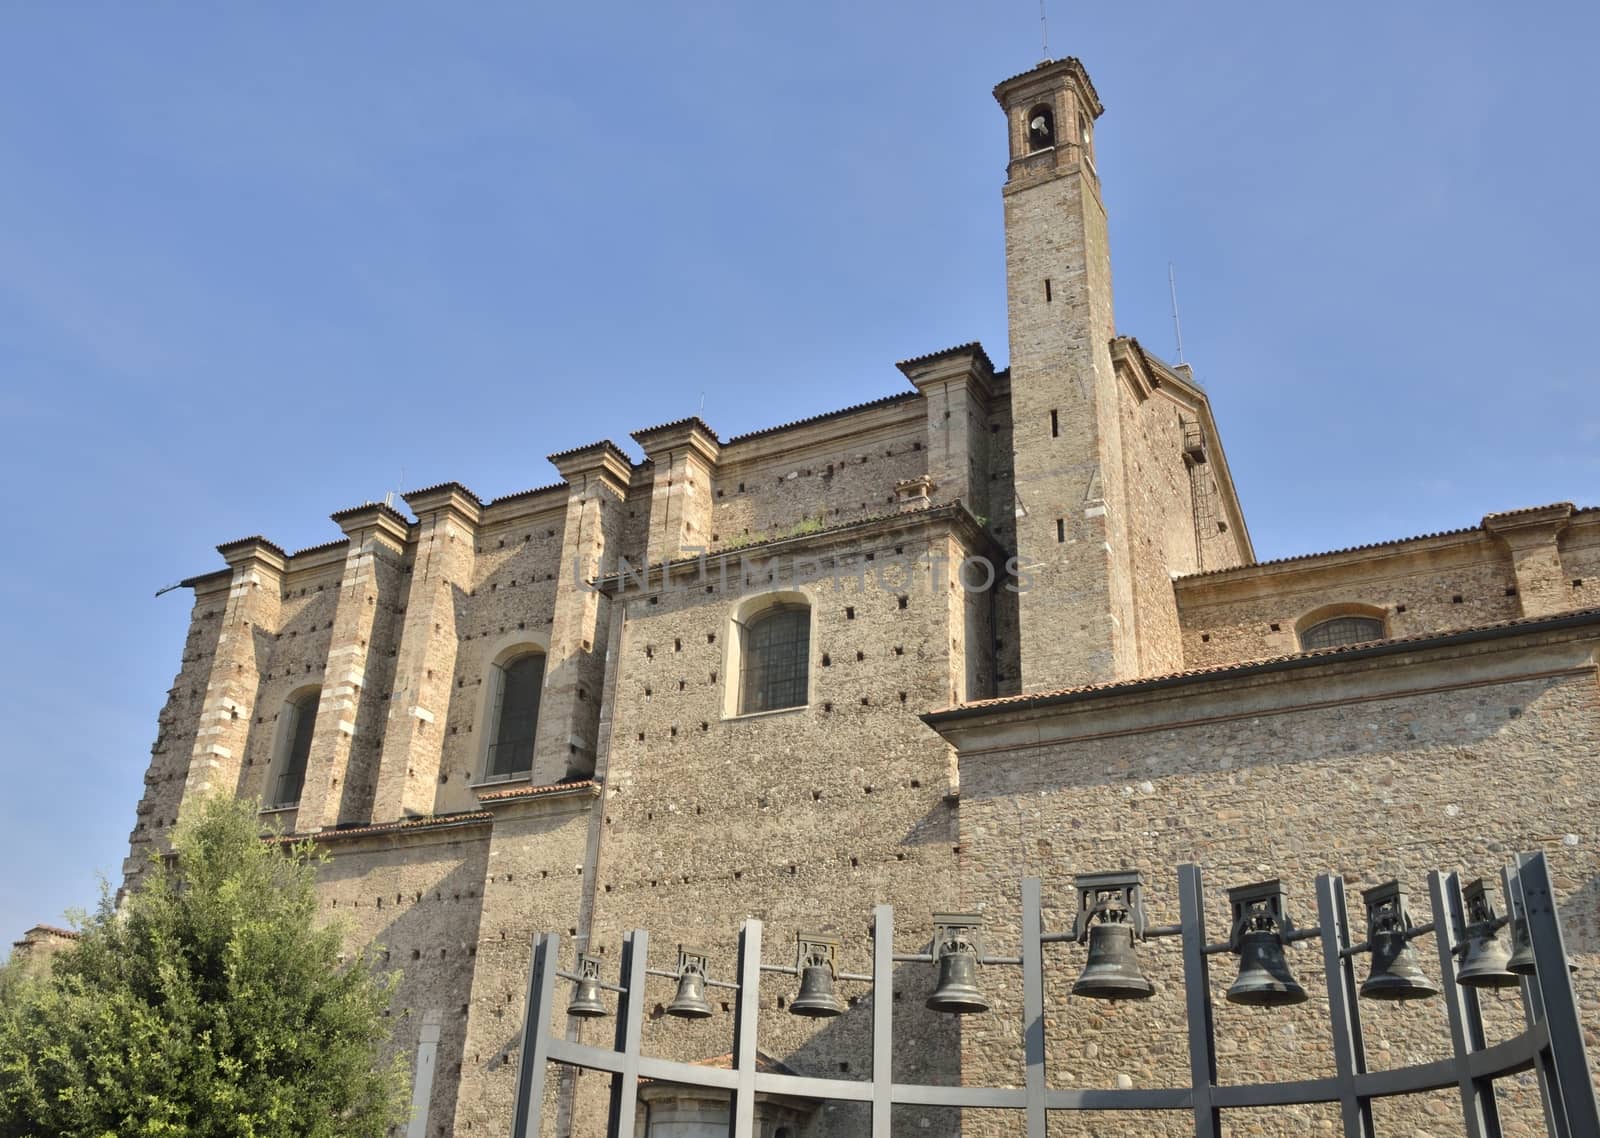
1000 623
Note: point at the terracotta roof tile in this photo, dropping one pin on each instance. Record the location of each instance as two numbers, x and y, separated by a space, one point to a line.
603 444
340 515
959 349
537 791
253 539
1382 544
1529 510
440 821
436 487
520 494
336 543
692 420
885 401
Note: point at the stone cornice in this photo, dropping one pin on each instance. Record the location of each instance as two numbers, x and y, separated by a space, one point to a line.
604 460
967 364
1046 77
1533 525
451 496
256 549
691 433
381 521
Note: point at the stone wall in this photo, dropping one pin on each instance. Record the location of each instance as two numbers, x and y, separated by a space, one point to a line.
832 472
1428 586
1439 759
804 817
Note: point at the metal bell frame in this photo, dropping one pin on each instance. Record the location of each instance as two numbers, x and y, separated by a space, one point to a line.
1552 1046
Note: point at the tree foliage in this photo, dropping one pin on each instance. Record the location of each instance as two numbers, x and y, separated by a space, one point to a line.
210 1005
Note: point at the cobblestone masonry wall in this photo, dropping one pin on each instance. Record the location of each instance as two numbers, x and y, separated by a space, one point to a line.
535 859
1438 586
803 818
418 897
1077 625
1580 558
837 472
1002 525
295 659
1375 772
510 604
176 725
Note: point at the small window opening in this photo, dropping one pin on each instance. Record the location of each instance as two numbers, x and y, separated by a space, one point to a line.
1342 630
1041 128
1055 425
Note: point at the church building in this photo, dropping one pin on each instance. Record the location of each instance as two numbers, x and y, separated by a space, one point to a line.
1001 622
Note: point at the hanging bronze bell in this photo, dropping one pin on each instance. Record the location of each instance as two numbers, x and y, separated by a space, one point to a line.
958 988
586 1000
1521 962
690 1002
1112 970
1395 974
1487 957
1264 977
816 996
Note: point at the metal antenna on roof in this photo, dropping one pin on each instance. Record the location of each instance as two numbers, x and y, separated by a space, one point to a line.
1044 32
1177 329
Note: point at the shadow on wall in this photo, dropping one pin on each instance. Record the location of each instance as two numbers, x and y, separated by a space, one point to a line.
427 922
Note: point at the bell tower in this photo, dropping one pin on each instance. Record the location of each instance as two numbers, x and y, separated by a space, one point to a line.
1076 606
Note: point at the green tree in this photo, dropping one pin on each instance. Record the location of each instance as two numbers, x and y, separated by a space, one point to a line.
209 1005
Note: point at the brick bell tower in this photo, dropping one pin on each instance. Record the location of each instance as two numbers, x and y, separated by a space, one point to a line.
1076 606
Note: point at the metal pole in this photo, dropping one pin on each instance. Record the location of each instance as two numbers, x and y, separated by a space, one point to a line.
882 1020
630 1024
742 1116
1555 1120
1033 1005
1197 998
1349 1050
1574 1088
1480 1113
525 1116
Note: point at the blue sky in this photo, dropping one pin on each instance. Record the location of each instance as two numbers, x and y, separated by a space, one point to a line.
259 263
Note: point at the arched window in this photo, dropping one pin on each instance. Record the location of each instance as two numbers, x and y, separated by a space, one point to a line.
515 716
295 724
1041 128
1341 630
775 659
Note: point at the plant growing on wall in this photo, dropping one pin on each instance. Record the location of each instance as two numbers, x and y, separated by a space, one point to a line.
210 1004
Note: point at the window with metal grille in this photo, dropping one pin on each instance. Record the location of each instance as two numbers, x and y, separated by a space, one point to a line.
1342 630
516 717
775 669
291 766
